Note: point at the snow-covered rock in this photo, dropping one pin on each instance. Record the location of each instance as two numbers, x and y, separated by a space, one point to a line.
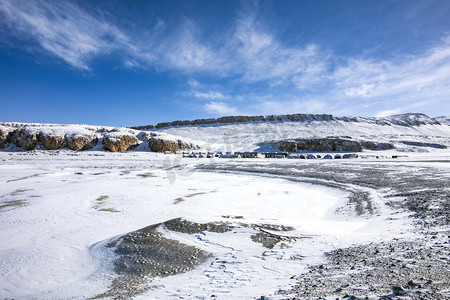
5 136
78 142
161 145
120 139
26 138
51 141
119 143
167 145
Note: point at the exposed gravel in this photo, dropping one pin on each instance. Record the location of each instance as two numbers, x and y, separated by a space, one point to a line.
146 253
416 269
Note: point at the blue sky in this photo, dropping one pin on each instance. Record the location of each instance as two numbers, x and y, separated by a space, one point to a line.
140 62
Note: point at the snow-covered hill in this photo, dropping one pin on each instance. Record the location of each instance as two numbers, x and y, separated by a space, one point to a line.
405 133
256 133
444 120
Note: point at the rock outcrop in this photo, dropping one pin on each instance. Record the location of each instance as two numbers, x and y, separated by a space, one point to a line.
119 143
26 138
5 136
376 146
83 137
167 145
319 145
51 141
160 145
78 142
422 144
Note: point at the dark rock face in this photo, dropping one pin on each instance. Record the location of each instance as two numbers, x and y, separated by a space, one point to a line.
81 142
288 146
119 143
319 145
376 146
5 137
241 119
410 119
26 139
51 142
422 144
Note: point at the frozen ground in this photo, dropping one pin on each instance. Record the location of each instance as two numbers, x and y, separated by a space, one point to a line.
253 227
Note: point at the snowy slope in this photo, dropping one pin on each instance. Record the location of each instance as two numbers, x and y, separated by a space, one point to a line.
444 120
250 136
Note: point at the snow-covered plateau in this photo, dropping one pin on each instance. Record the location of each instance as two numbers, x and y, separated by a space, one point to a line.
95 224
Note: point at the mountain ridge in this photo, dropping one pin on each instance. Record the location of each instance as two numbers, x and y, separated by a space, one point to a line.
407 119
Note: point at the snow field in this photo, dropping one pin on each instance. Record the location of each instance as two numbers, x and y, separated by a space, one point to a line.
51 245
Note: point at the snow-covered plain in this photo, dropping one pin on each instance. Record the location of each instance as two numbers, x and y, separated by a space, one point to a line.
58 209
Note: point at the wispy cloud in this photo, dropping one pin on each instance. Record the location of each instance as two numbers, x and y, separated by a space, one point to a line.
221 108
211 95
63 29
185 50
263 57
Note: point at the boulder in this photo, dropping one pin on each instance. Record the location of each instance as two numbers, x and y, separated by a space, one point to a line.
51 141
119 143
171 145
26 138
5 136
78 142
162 145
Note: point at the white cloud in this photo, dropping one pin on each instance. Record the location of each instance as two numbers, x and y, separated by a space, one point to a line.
362 90
404 79
185 51
193 83
250 58
211 95
389 112
63 29
221 108
262 56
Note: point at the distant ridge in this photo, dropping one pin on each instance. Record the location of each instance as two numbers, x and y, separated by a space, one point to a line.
444 120
409 119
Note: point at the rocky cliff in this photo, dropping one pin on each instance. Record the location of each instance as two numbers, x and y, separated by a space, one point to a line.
411 119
